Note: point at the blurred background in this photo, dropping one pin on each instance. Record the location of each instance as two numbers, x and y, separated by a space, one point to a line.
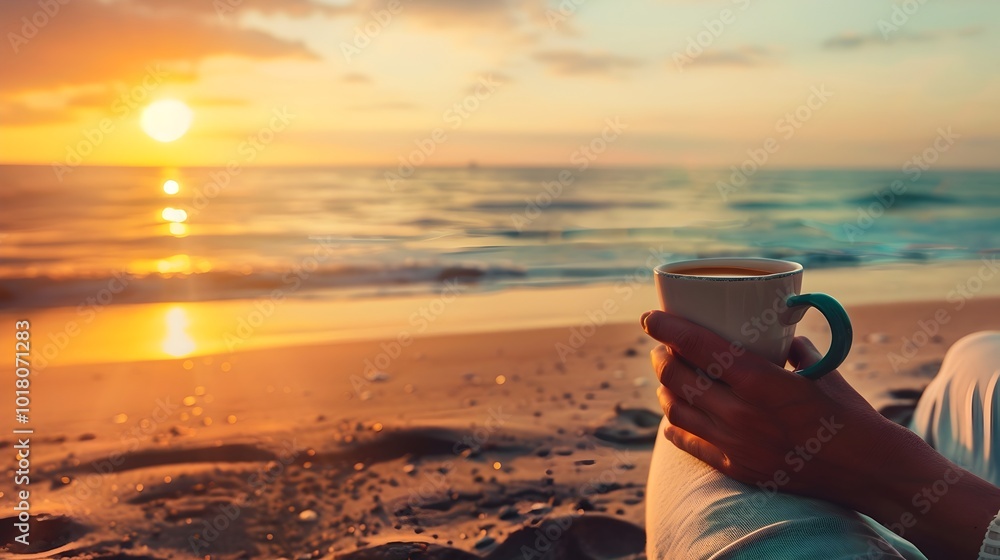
211 150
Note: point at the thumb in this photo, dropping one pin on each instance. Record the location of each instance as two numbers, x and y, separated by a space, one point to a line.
803 353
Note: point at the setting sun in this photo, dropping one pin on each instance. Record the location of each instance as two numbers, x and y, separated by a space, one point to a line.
166 120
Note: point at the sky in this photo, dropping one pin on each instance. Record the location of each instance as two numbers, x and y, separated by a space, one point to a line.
690 83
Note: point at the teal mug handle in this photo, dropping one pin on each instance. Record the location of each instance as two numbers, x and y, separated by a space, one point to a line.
842 334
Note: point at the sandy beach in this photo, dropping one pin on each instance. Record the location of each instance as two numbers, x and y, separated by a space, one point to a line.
515 443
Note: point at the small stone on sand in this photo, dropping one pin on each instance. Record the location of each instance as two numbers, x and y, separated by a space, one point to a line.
877 338
308 516
509 512
376 376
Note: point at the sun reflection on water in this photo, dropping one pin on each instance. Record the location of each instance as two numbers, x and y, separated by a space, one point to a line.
178 230
177 264
175 215
177 342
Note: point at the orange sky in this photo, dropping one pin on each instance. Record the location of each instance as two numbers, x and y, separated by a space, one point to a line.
276 82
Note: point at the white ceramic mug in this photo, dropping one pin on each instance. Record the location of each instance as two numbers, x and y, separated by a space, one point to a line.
757 311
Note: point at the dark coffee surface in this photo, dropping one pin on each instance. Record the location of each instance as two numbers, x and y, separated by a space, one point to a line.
721 271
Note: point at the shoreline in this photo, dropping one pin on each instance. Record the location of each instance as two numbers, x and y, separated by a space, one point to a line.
114 334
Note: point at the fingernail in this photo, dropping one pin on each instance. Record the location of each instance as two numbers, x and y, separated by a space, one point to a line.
642 320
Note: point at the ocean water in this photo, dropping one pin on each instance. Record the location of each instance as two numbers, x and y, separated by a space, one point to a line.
332 233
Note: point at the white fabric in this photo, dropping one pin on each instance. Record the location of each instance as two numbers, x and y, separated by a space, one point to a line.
959 413
991 544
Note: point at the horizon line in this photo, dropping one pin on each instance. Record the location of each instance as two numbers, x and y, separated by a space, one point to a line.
468 167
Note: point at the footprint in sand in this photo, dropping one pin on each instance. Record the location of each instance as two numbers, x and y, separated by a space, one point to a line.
629 426
48 532
408 551
588 537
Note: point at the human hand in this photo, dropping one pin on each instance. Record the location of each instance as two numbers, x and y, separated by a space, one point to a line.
763 425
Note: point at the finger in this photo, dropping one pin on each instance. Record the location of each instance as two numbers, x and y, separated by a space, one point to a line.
698 389
686 416
697 447
803 353
749 375
642 319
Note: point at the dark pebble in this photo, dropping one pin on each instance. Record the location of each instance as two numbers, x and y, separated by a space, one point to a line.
585 505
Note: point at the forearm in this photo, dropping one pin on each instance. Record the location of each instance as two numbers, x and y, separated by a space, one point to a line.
944 511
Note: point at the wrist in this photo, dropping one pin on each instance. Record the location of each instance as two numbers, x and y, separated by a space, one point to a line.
917 497
941 508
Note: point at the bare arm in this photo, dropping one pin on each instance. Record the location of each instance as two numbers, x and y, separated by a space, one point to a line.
944 510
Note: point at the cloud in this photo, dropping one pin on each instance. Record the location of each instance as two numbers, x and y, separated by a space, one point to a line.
578 63
100 98
356 78
89 42
518 18
217 102
230 8
19 114
750 55
853 40
387 106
